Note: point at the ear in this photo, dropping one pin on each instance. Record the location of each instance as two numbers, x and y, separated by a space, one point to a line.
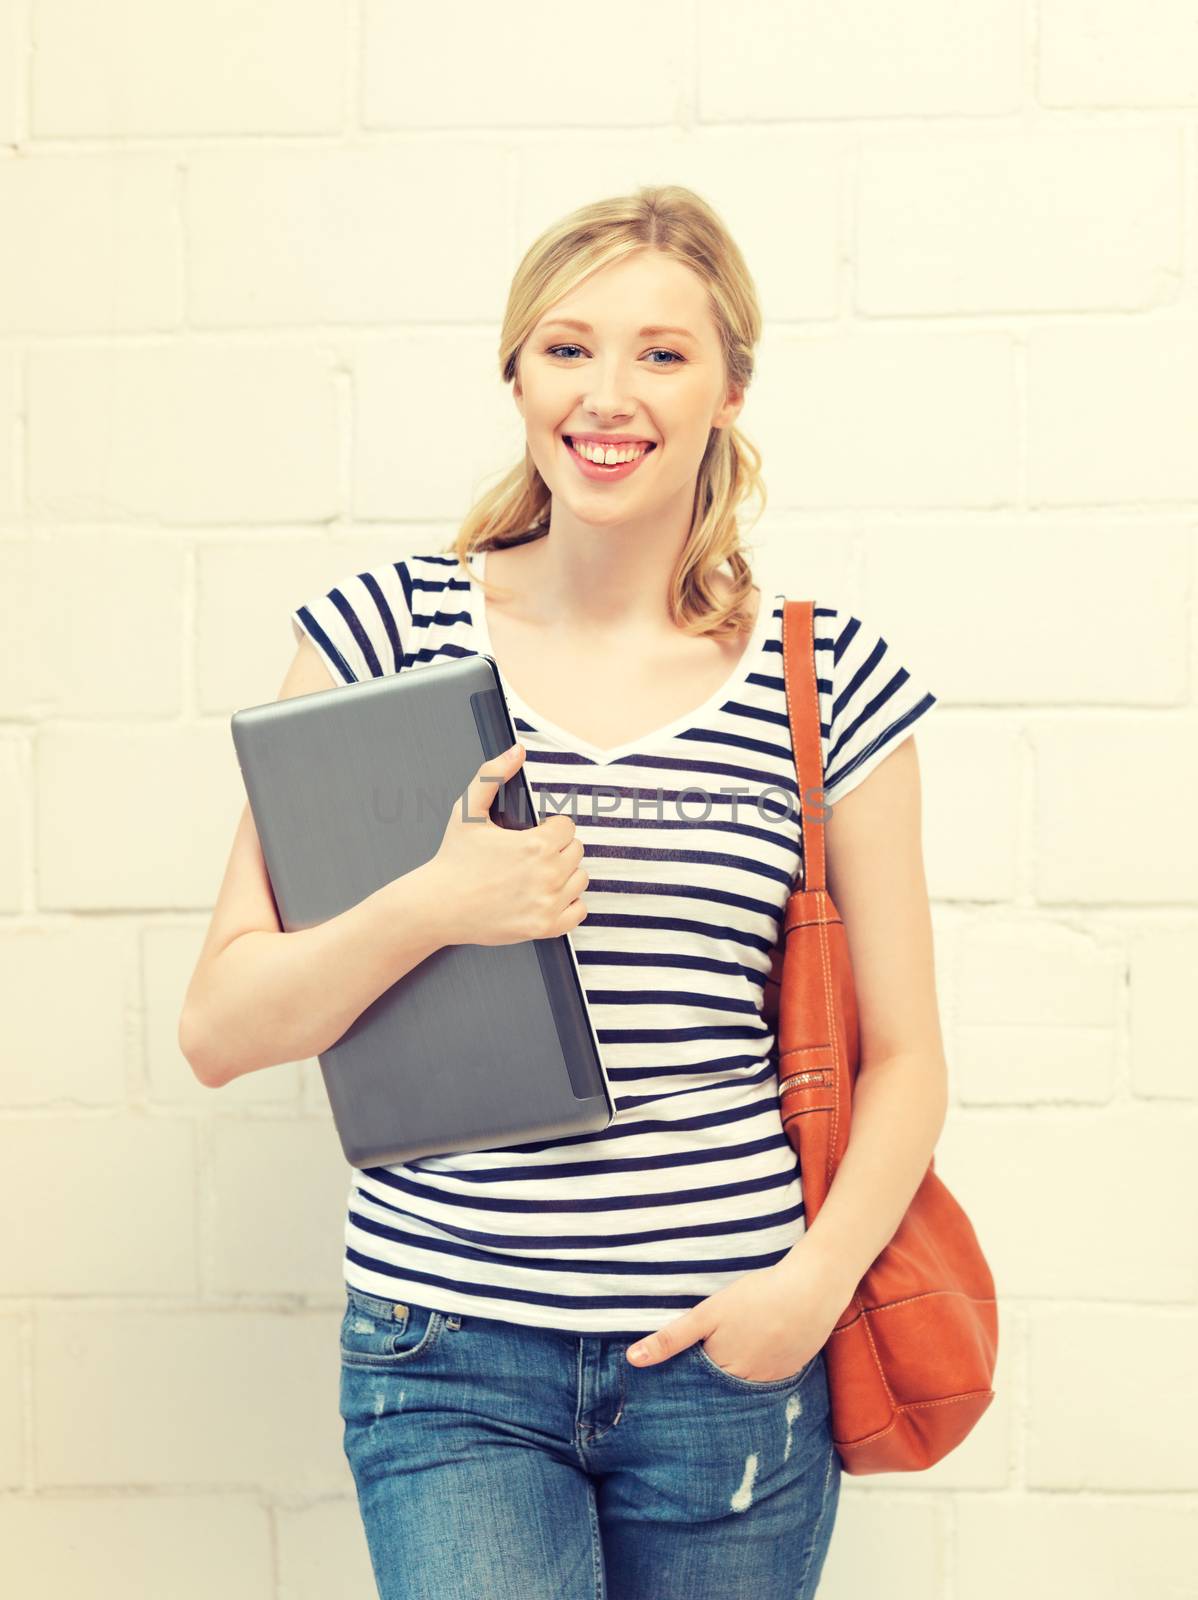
731 409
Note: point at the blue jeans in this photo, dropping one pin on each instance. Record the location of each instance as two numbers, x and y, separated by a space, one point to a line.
495 1461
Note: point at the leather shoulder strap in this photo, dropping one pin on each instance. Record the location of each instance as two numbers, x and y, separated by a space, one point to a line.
802 704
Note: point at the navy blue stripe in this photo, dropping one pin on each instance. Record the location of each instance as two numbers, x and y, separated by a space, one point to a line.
561 1196
712 930
387 619
523 1256
669 960
887 734
361 636
641 1236
575 1304
326 644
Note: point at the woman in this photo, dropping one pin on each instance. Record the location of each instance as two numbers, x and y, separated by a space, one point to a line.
594 1366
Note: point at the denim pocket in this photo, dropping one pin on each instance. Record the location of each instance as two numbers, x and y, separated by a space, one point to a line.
754 1383
386 1333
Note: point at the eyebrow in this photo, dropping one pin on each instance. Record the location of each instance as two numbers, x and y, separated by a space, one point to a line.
645 333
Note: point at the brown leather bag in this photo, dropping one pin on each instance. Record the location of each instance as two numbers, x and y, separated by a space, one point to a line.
910 1362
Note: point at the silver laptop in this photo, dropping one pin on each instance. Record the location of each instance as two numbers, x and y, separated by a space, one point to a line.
479 1046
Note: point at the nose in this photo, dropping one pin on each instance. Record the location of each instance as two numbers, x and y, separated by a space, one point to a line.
609 399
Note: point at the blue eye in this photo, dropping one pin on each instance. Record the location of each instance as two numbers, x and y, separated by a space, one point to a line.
675 357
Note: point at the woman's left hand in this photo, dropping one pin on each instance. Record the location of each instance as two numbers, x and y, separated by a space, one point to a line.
766 1325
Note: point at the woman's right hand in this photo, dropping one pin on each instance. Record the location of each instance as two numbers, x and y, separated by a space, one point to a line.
504 885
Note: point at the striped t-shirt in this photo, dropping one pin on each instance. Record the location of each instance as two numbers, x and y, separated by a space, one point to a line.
692 844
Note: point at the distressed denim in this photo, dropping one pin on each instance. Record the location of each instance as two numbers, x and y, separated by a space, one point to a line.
494 1461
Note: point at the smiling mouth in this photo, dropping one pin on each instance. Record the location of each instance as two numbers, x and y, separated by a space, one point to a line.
602 471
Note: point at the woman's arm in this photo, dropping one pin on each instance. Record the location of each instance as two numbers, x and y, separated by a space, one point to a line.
259 996
873 839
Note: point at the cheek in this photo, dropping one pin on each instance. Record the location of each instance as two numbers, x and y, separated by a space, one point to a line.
546 454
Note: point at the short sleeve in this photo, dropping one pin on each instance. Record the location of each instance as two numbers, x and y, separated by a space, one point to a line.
869 701
360 624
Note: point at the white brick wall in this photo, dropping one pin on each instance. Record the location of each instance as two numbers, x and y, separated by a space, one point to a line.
252 262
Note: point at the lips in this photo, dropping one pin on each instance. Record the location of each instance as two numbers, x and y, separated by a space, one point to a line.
601 473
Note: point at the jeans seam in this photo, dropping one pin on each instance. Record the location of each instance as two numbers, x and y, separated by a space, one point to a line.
596 1544
397 1358
818 1533
796 1378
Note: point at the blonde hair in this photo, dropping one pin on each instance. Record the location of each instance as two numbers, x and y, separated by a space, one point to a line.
676 222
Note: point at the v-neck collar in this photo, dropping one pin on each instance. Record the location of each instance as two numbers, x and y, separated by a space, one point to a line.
656 736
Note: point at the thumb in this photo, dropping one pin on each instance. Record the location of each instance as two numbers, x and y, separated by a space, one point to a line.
667 1341
483 787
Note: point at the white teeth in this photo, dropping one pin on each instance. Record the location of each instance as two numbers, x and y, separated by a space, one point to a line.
612 456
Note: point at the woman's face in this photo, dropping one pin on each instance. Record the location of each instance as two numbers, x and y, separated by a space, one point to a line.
612 378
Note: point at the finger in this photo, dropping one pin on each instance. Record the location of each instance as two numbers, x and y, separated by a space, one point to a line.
557 830
483 787
657 1346
573 887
